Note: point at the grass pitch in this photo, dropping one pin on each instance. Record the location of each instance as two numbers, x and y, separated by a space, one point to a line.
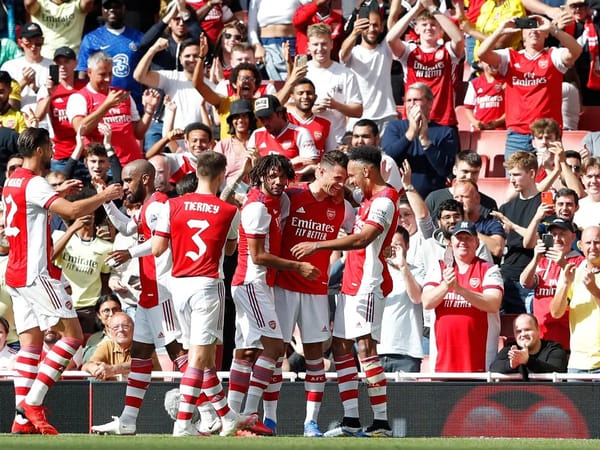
161 441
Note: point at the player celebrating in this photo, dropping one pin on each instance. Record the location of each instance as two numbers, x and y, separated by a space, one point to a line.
201 229
155 321
365 284
39 301
317 211
257 325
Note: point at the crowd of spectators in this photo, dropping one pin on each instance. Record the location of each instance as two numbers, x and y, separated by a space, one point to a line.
169 82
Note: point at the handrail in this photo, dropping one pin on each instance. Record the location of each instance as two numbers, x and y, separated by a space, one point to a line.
490 377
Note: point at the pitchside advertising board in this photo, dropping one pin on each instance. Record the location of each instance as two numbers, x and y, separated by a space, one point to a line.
419 409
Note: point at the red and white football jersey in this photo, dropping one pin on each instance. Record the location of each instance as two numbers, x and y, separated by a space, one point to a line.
437 70
535 85
180 164
486 98
311 220
291 142
261 218
198 226
26 198
366 271
465 338
120 118
152 269
318 127
64 134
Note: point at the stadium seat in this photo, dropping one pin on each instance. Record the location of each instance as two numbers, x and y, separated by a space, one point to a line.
463 122
497 188
572 139
465 139
588 120
490 145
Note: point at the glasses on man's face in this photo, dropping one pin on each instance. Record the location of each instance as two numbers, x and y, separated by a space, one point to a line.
28 43
110 311
237 37
250 79
120 326
577 5
178 19
574 168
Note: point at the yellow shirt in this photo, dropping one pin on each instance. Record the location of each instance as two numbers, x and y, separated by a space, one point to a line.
62 25
584 321
13 119
491 16
82 262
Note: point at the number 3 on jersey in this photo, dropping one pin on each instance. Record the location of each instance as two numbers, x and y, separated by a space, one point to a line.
201 225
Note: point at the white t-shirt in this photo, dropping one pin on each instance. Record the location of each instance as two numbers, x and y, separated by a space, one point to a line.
184 94
373 73
341 84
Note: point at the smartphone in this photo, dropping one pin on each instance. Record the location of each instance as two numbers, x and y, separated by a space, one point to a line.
548 240
526 22
363 12
54 73
301 60
547 198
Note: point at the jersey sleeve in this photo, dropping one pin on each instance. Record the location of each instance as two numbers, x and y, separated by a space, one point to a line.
162 225
153 212
493 279
255 220
233 229
433 278
470 96
40 193
349 217
76 106
306 144
381 213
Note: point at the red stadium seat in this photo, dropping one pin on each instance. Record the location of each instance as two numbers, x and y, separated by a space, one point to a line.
490 145
463 122
572 139
497 188
590 118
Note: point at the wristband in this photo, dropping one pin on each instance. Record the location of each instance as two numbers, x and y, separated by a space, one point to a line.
149 112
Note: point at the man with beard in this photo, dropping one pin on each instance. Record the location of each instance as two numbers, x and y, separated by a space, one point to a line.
257 325
39 302
530 353
119 41
156 322
278 136
301 113
371 62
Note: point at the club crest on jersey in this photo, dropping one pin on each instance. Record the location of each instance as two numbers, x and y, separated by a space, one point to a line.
318 135
543 63
330 213
286 145
69 305
439 54
475 282
272 324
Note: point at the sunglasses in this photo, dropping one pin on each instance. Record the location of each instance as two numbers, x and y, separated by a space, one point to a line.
28 43
574 168
237 37
577 5
178 19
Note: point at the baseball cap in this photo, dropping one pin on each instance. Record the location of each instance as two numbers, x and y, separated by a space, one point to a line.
241 106
30 30
562 223
465 227
64 51
266 105
108 2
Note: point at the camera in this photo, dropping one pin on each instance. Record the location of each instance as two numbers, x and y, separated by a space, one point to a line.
548 240
526 22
